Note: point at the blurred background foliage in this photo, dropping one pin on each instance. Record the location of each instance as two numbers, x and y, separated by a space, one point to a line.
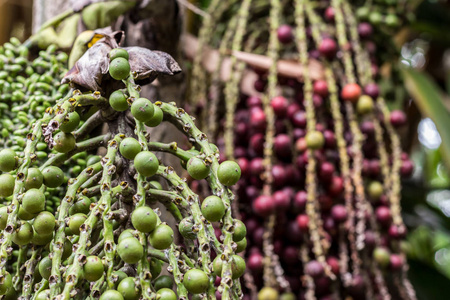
424 66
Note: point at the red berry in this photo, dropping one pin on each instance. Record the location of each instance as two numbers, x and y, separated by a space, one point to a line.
300 201
339 213
320 88
396 262
314 269
255 262
326 171
284 34
383 215
351 92
299 119
282 146
279 105
407 168
282 200
279 176
333 262
330 139
256 166
398 118
257 144
254 101
365 30
336 186
260 85
328 48
263 205
329 14
302 222
290 255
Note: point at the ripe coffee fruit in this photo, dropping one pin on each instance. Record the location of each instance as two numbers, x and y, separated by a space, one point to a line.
144 219
213 208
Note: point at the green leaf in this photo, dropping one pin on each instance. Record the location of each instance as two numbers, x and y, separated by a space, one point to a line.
430 101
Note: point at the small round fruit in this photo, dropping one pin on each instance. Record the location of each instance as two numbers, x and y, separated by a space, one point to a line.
375 190
23 234
314 140
118 101
71 123
64 142
125 234
119 68
7 283
144 219
197 168
34 179
241 245
81 206
268 293
24 215
142 109
7 160
53 176
162 237
130 250
163 281
146 163
229 173
129 148
157 118
7 183
75 222
213 208
288 296
365 105
166 294
128 289
42 239
93 268
33 201
44 222
44 295
118 52
155 267
381 256
351 92
240 231
3 217
196 281
120 276
237 266
111 295
185 228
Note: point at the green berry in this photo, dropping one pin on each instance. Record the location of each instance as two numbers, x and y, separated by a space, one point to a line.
288 296
162 237
118 101
130 250
118 52
6 284
185 227
75 222
128 289
33 201
196 281
111 295
314 140
129 148
240 231
241 245
119 68
70 123
146 163
44 295
381 256
166 294
7 183
3 217
44 222
197 168
163 281
213 208
24 215
144 219
237 266
23 234
155 267
53 176
375 18
64 142
34 179
42 239
157 118
392 21
364 105
268 293
7 160
125 234
93 268
82 205
142 109
229 173
375 190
